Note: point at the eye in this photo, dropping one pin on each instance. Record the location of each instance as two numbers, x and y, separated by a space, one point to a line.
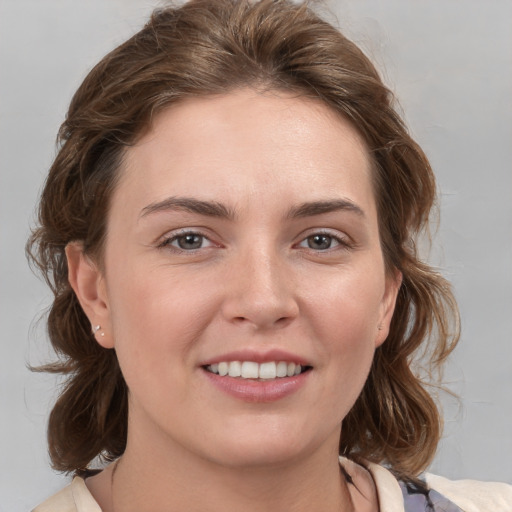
322 242
188 241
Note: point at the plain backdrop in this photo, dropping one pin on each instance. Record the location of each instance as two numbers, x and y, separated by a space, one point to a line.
450 64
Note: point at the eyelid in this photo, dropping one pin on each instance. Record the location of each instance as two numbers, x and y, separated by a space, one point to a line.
164 242
344 241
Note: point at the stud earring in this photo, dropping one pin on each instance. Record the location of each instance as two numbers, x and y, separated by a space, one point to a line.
96 328
379 327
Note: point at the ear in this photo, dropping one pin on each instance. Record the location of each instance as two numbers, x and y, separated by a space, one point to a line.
393 284
89 286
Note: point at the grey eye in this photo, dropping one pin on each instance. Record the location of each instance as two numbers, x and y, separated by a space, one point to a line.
189 242
319 242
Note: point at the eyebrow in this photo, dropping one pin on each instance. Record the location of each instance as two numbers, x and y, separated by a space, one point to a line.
215 209
319 207
201 207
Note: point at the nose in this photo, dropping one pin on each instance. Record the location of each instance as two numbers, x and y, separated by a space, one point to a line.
260 291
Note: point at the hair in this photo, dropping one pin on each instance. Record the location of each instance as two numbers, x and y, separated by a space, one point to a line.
208 47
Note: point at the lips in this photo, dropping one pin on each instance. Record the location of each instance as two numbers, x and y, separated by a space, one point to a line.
258 356
253 370
254 376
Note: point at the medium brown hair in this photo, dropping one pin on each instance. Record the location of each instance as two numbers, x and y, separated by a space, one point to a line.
211 47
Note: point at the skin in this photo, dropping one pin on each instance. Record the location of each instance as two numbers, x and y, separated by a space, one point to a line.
257 280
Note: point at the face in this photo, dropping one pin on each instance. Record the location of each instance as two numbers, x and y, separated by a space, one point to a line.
243 237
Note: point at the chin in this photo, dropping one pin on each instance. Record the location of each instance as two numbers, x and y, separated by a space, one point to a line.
249 456
276 445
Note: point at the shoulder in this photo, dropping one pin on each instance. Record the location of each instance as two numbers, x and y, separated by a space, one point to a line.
439 494
472 495
75 497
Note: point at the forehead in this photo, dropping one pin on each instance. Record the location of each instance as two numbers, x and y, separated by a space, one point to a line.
225 146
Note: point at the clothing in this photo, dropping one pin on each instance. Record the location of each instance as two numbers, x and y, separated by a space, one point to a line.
443 495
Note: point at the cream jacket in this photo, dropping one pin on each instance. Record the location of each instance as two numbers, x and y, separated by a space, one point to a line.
468 495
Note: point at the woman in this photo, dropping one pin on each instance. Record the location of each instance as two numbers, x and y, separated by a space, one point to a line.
229 232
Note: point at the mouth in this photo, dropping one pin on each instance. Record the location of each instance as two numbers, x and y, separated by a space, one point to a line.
251 370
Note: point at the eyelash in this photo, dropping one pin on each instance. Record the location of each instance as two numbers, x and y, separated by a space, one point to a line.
343 242
166 243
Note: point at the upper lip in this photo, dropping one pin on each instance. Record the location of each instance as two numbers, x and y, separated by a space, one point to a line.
257 356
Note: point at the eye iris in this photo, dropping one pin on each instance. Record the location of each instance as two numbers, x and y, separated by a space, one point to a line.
190 241
321 242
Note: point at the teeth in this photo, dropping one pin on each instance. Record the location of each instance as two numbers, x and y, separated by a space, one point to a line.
252 370
223 369
281 369
235 369
268 371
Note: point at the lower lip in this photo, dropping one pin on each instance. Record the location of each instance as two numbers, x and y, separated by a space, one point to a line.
250 390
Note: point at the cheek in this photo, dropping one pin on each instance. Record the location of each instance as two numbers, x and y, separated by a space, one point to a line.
344 319
348 305
156 320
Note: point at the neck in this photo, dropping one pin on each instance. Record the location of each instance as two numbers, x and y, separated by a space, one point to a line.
174 480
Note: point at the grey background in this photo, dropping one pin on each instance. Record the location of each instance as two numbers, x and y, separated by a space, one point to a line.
450 63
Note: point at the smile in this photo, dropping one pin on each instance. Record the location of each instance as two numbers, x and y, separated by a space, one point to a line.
252 370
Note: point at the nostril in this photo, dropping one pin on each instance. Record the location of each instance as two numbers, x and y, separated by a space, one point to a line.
259 311
279 322
283 321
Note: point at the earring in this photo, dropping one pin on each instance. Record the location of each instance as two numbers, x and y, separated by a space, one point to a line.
95 329
379 327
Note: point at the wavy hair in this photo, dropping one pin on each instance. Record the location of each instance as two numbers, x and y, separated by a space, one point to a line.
211 47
